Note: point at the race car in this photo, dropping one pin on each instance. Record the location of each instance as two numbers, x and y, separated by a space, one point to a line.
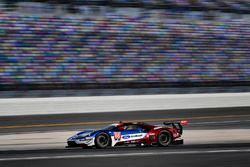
129 133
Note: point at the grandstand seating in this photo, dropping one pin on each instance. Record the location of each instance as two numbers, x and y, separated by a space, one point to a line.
117 48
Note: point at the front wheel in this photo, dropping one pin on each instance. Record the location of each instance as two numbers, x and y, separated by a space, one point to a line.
102 140
164 138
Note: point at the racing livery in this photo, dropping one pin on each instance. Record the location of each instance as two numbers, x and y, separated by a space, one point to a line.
128 133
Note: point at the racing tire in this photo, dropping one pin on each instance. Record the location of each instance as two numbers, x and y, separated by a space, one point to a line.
102 140
164 138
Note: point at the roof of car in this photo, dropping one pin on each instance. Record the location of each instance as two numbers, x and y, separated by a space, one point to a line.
130 123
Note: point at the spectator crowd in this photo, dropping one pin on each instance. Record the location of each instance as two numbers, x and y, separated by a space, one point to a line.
110 49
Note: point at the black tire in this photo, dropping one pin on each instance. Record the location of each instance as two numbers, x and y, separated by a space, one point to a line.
102 140
164 138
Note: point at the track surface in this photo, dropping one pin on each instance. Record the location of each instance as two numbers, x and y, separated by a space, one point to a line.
189 155
238 159
216 118
205 155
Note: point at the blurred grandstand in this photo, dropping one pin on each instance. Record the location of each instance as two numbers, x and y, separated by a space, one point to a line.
118 43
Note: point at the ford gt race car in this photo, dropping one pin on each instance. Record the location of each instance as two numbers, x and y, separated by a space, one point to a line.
127 133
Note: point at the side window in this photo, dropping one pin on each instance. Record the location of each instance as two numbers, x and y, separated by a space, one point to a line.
135 127
130 127
142 129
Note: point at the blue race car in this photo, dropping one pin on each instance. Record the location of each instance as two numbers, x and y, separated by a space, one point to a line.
129 134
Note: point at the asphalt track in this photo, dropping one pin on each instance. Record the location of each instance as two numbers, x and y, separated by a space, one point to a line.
228 154
213 118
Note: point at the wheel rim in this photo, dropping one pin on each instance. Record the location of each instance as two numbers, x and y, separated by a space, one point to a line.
103 140
164 139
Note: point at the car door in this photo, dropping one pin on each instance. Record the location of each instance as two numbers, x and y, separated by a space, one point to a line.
132 134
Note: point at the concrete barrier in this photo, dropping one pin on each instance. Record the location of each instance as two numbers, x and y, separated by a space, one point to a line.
91 104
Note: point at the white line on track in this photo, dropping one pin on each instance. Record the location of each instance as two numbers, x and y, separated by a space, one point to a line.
128 154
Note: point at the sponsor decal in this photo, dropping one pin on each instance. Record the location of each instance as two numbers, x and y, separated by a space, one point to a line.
159 127
126 136
117 135
136 135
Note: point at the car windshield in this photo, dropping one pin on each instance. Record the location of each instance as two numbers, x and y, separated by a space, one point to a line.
110 127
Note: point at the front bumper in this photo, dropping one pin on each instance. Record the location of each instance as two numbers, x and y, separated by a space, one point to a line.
81 142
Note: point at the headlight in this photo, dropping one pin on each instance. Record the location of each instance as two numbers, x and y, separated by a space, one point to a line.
86 140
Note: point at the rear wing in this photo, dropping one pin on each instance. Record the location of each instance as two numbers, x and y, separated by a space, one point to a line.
177 125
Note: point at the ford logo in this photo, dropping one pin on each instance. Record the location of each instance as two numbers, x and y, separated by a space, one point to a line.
126 137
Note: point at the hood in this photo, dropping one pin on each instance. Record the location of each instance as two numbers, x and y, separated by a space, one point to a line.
84 133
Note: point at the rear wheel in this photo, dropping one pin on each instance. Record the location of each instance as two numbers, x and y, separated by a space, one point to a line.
102 140
164 138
